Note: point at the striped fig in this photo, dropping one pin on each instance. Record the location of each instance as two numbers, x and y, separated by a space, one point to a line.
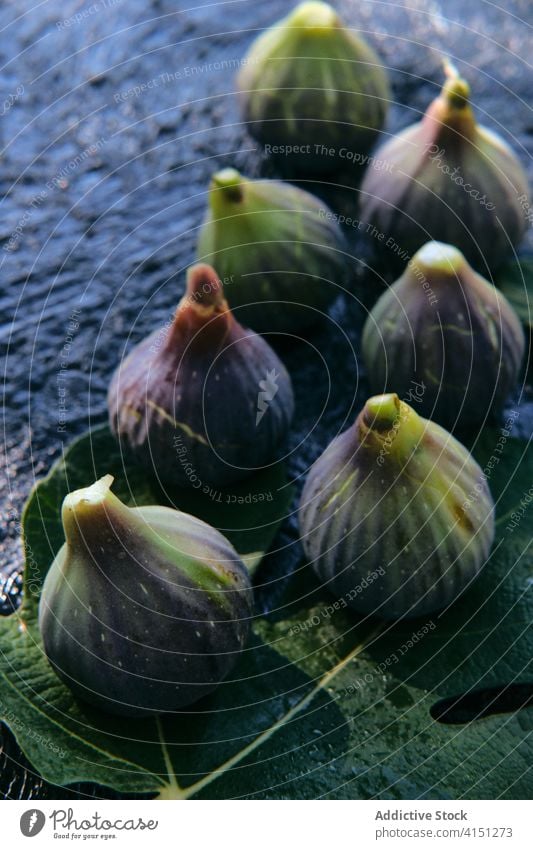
396 517
445 329
313 92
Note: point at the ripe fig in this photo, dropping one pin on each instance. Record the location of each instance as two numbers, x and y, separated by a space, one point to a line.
396 517
204 401
445 329
279 247
144 609
449 179
313 92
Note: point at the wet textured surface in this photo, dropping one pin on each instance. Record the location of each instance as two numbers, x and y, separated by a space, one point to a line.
103 190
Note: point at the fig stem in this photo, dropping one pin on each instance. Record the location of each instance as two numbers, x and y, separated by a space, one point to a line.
83 502
456 92
450 115
389 427
382 411
204 289
227 186
203 317
83 506
93 494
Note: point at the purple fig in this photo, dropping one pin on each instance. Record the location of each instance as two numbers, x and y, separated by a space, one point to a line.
204 402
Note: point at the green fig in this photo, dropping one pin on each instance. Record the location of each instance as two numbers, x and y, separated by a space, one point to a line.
445 329
203 402
279 248
447 178
144 609
313 92
396 517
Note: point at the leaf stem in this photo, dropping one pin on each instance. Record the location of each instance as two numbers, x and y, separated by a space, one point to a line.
195 788
172 790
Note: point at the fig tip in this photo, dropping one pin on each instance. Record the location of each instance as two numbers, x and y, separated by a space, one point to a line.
204 287
229 183
314 16
455 89
93 494
382 411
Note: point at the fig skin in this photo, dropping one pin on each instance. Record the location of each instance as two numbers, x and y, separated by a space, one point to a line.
444 328
310 82
144 609
420 197
279 248
185 402
397 502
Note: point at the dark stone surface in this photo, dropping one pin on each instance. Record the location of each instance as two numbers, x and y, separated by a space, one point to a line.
108 187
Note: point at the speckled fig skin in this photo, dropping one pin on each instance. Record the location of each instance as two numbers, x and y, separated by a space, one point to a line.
444 329
396 517
279 249
185 401
308 80
418 198
144 609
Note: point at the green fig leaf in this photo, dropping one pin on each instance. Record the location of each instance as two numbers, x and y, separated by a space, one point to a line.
323 703
515 281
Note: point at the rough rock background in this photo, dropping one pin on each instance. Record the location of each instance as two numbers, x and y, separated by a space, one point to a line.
110 235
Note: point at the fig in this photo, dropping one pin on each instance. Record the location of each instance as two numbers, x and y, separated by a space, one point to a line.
203 402
444 329
313 93
447 178
396 517
280 249
144 609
